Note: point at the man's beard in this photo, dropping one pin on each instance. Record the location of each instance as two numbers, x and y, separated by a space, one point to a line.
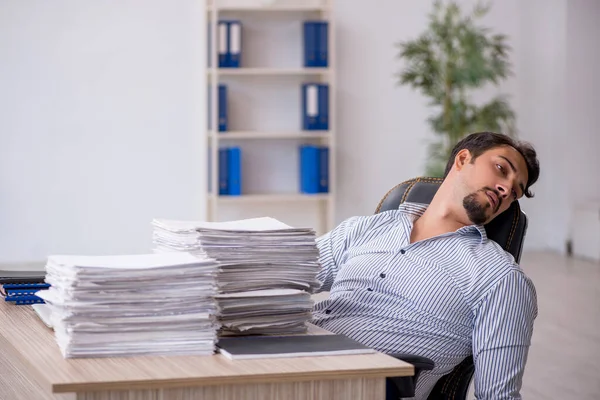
476 212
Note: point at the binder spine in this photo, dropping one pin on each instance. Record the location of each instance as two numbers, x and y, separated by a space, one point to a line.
235 171
323 112
310 106
222 46
309 169
235 44
322 44
324 169
223 171
310 44
222 107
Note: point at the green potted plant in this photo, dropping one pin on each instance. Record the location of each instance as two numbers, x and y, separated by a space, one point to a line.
446 63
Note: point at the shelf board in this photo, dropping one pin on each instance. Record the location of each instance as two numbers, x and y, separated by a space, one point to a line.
269 71
275 7
271 198
230 135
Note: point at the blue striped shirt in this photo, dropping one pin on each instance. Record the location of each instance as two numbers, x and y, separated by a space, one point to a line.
445 298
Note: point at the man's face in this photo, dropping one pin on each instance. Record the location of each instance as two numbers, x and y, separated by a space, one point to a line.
492 182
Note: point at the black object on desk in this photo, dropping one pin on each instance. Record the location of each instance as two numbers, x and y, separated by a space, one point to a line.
246 347
22 276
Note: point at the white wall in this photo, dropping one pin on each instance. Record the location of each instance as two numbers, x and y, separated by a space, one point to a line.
383 129
103 104
582 133
101 110
381 133
542 116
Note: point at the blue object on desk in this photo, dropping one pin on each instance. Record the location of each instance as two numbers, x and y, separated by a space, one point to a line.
23 293
20 292
13 286
20 300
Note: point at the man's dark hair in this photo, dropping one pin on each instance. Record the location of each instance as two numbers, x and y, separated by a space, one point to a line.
480 142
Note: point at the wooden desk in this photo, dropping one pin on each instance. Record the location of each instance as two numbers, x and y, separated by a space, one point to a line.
32 368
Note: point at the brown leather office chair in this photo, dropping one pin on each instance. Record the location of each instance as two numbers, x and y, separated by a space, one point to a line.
507 229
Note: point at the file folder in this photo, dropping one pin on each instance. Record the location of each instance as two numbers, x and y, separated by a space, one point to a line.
223 171
235 44
222 97
309 169
248 347
324 169
323 107
309 29
235 171
322 44
310 106
222 47
22 277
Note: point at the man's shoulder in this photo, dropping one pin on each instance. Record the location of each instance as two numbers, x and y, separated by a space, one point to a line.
382 220
500 264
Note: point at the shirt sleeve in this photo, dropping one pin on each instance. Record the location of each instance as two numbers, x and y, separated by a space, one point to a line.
502 336
332 247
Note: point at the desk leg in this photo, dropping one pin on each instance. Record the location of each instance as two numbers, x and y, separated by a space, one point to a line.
342 389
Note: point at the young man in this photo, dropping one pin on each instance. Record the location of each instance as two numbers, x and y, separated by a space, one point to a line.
426 280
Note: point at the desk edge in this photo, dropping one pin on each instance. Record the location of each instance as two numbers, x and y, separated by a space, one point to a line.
407 370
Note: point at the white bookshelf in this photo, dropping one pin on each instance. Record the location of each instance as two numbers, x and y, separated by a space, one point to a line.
271 198
274 7
236 135
270 75
269 71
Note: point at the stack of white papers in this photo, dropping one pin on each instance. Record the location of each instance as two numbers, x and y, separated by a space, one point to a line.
267 270
150 304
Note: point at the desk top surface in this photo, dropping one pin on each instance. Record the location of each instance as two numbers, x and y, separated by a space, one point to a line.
23 335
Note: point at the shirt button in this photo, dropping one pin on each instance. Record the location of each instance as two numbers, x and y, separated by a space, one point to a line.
382 275
327 311
402 251
369 289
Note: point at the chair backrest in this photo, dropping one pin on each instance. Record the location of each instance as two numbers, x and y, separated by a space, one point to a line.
507 229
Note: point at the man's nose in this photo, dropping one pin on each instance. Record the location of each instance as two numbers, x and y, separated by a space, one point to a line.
503 190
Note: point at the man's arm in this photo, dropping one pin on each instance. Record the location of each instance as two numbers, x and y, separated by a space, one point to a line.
501 337
332 247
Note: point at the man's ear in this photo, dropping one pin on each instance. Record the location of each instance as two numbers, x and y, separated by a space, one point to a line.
462 158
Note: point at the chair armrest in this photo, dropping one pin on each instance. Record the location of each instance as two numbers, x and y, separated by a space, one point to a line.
420 363
405 386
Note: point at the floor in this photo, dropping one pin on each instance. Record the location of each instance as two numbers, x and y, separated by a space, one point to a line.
564 359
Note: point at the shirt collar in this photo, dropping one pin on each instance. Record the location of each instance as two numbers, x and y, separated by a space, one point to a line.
415 210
